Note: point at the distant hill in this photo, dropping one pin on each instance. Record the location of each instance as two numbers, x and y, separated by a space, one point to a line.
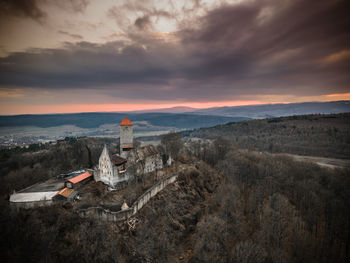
178 109
317 135
93 120
279 110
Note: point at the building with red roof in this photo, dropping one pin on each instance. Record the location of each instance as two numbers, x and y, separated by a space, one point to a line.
125 122
77 181
66 194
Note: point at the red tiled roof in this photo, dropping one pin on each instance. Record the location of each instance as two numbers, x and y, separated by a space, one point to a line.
65 192
128 147
80 177
126 122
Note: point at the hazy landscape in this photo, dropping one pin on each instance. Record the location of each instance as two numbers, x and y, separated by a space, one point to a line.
24 129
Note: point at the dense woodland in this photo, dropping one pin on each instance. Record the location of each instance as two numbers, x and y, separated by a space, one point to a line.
317 135
229 205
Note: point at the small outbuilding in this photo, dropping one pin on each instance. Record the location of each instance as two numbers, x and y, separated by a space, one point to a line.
78 181
66 194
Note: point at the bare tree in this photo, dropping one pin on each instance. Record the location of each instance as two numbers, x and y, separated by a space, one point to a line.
172 144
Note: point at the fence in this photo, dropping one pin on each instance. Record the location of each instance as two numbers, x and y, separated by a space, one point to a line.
107 215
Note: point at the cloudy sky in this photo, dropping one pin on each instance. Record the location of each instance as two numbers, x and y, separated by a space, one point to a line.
81 55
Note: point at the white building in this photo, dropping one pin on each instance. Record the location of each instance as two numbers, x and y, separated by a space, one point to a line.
112 170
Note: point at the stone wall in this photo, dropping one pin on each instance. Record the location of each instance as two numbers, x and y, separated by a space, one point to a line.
145 159
100 213
152 163
27 205
126 137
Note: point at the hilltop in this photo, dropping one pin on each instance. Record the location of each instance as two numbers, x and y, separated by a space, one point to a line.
317 134
279 110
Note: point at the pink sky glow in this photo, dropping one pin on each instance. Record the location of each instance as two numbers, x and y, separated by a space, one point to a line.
107 107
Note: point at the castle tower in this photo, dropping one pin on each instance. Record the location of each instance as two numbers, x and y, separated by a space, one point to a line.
126 137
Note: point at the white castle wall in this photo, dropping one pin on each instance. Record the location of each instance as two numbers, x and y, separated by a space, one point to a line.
107 172
105 168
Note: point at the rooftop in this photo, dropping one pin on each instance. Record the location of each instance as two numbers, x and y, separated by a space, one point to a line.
80 178
126 122
117 160
65 192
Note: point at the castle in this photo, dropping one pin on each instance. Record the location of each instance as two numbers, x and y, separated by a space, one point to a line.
115 170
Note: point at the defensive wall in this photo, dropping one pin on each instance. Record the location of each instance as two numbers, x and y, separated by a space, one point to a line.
100 213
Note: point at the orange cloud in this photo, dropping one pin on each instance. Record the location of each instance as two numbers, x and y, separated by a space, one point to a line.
10 93
336 57
340 96
74 108
7 108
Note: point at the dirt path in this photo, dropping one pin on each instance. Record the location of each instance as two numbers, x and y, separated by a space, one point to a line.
322 161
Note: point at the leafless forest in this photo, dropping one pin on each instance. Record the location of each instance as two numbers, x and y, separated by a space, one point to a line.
230 204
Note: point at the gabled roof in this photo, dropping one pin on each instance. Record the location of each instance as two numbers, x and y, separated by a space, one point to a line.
117 160
65 192
80 178
126 122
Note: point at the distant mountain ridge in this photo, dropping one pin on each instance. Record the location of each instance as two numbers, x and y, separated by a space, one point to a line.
181 120
279 110
177 109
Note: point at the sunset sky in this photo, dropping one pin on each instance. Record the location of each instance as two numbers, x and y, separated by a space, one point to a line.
84 56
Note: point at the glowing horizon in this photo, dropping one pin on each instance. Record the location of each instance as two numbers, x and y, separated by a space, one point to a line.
130 107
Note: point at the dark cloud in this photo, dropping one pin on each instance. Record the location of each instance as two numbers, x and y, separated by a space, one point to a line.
24 8
77 6
297 47
31 8
279 43
121 15
75 36
142 22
